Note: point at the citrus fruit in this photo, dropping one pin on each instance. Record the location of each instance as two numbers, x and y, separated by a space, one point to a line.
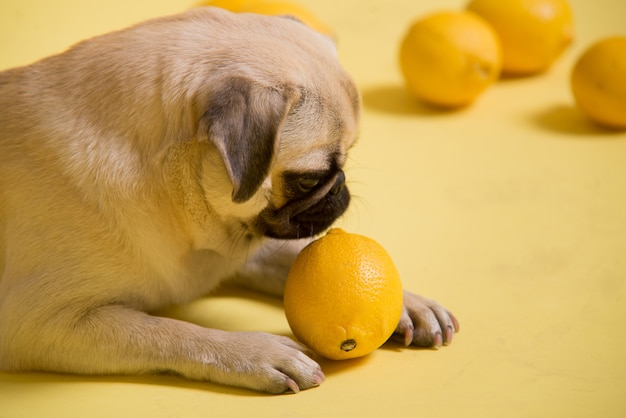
533 33
275 8
598 82
232 5
449 58
343 296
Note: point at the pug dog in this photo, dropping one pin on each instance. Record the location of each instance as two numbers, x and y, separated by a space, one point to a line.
142 168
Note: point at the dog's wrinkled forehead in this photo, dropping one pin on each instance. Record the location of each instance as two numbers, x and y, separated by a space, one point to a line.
320 129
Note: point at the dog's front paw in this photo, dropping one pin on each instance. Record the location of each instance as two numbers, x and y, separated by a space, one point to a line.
425 323
269 363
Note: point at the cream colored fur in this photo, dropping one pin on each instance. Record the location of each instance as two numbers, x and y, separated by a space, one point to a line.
118 196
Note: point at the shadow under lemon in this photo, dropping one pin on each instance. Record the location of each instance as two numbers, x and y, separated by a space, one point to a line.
569 120
396 99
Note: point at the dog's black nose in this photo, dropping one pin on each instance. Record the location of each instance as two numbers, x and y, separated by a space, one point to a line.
339 184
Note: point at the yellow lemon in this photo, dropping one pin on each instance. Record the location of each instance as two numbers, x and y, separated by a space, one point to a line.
449 58
232 5
275 8
598 82
343 296
533 33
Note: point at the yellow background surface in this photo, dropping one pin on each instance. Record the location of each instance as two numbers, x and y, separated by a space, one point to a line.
512 213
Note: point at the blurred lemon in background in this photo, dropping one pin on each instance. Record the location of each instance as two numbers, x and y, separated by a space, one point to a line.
598 82
449 58
274 8
533 33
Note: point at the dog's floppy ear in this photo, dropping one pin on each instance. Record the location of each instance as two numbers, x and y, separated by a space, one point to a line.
243 119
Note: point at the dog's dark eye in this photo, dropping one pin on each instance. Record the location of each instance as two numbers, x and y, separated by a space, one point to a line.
306 184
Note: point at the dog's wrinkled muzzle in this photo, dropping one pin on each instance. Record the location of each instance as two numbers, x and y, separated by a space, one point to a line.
310 215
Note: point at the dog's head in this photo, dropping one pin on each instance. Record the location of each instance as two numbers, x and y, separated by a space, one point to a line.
282 124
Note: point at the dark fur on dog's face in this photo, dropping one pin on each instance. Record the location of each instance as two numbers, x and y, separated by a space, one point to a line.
316 200
309 177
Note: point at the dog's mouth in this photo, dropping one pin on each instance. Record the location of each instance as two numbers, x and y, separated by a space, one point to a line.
310 213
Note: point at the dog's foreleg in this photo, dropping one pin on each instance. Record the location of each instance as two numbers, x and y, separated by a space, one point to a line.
115 339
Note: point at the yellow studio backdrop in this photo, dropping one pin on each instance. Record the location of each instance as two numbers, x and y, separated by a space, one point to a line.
511 213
